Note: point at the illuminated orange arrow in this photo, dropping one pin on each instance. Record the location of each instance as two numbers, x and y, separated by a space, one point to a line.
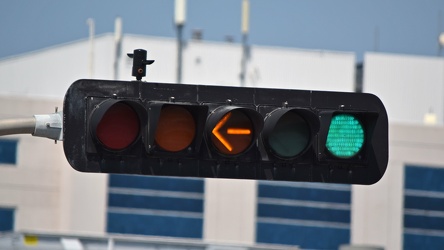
238 131
231 131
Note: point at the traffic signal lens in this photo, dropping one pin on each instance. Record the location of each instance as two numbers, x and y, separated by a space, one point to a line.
176 128
119 127
233 133
290 135
345 136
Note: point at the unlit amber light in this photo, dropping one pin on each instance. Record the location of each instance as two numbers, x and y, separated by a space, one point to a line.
176 129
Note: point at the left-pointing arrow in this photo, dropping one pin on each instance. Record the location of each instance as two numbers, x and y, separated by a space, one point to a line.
233 133
219 136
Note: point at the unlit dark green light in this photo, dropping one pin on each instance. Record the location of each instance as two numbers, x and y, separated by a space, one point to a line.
290 136
345 136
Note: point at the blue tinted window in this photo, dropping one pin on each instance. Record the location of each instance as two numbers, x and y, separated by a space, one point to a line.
424 178
6 219
311 237
309 215
158 225
8 151
309 193
303 213
419 241
155 202
424 207
156 183
158 206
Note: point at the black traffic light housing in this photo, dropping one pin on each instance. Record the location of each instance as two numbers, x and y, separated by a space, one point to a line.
136 127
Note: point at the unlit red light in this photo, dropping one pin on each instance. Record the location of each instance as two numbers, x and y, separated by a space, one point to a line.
119 127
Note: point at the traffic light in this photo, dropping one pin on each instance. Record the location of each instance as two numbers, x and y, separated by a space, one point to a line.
136 127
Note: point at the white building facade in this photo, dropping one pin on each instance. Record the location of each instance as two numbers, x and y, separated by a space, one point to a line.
40 191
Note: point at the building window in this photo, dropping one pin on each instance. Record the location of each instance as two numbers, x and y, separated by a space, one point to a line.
308 215
6 219
157 206
8 151
423 208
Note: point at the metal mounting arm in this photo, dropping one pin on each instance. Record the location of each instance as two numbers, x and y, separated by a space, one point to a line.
49 126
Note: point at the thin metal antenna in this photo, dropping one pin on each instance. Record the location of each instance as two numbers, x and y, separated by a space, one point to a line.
376 37
90 23
118 45
244 30
179 19
440 38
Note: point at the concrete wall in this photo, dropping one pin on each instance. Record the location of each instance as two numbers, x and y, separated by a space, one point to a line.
45 191
49 72
301 69
32 185
409 86
50 195
230 211
377 217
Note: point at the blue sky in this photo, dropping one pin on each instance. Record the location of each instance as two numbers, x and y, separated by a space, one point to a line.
400 26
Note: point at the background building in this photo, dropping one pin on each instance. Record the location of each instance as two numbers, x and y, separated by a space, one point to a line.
40 191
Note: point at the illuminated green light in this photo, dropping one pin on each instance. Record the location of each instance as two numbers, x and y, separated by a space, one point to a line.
345 136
